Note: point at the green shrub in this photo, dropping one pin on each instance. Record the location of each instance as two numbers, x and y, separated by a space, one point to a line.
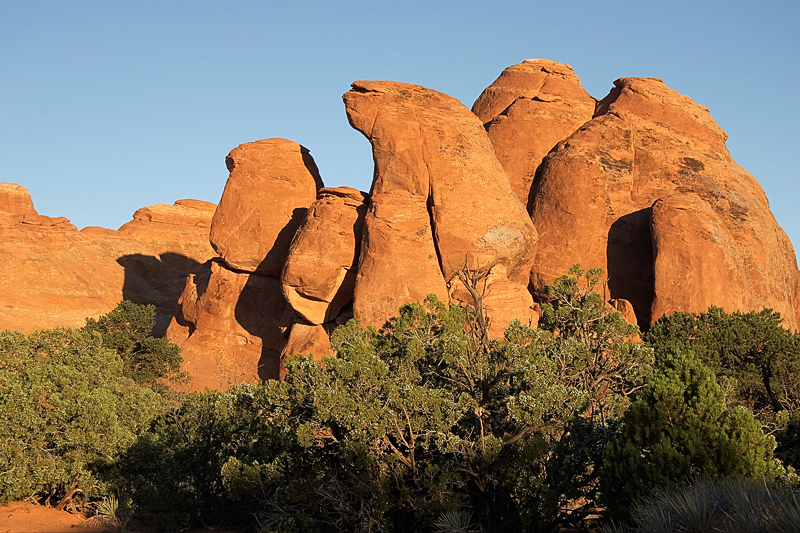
126 330
172 475
756 361
679 428
67 410
429 418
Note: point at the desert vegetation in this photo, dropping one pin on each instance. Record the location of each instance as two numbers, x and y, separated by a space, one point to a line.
427 424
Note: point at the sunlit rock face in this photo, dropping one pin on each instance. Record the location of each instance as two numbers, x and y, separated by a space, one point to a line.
648 191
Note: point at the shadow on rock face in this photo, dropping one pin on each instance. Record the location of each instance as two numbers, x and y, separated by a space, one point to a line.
631 273
263 312
276 257
158 281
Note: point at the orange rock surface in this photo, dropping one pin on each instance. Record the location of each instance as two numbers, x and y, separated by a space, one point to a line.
54 275
432 149
430 145
593 205
271 185
319 275
624 307
306 340
229 327
640 184
530 108
233 321
398 262
697 259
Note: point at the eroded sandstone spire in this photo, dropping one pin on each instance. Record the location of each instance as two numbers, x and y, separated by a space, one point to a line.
272 183
432 148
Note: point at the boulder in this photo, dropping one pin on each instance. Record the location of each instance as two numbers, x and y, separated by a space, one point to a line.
398 262
428 144
306 340
272 183
624 307
319 275
230 327
697 259
527 111
593 203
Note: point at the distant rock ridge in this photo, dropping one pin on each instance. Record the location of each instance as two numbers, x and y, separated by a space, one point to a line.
54 275
538 176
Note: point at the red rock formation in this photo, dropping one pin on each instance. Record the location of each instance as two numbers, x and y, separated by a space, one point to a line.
235 330
306 340
528 110
271 185
624 307
398 262
229 327
448 157
320 271
593 205
17 208
697 259
54 275
431 147
15 201
505 302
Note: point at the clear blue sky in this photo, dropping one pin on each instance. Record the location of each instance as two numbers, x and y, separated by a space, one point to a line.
108 106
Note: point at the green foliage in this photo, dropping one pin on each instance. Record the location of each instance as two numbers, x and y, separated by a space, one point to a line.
755 359
603 356
679 428
428 417
126 330
66 409
172 474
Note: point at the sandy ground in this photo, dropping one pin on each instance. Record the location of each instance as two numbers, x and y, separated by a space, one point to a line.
17 517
